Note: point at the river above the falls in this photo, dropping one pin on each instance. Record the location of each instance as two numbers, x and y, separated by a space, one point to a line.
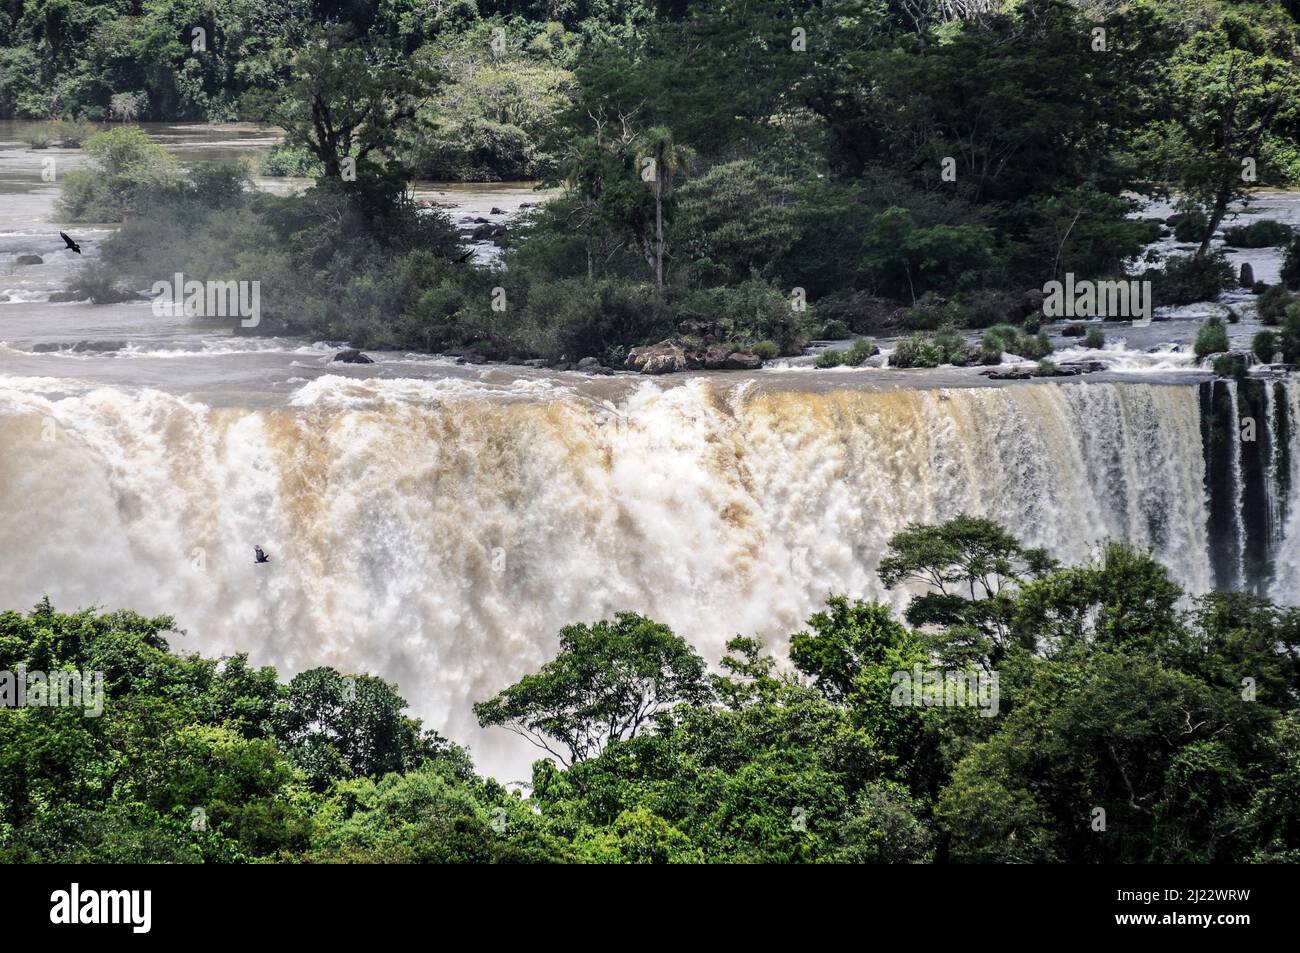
127 345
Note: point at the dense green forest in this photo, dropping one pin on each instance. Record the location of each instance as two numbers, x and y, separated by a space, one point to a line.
1122 728
746 175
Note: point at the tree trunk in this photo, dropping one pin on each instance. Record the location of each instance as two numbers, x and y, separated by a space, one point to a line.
659 237
1216 216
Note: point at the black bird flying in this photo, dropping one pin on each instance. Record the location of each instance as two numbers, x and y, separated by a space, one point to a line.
261 556
70 243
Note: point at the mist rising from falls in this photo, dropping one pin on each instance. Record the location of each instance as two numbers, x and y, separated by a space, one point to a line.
441 539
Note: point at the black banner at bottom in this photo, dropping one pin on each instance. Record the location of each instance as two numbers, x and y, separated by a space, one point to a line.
143 904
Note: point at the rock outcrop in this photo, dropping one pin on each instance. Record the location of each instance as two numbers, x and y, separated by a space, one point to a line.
671 356
352 356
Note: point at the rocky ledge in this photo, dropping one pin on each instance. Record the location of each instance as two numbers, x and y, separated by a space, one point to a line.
670 356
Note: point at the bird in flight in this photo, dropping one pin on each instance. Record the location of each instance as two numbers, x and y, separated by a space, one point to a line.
261 556
70 243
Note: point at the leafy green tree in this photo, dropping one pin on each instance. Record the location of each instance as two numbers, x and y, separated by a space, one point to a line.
973 569
1211 338
347 100
607 683
337 726
125 169
885 826
1161 754
1124 600
1231 88
430 815
660 161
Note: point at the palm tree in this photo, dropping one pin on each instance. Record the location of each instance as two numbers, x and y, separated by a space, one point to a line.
659 159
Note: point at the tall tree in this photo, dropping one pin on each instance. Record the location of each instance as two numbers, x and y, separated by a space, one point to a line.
348 99
607 683
659 160
1231 90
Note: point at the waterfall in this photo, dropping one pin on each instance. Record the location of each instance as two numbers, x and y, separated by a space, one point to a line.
440 537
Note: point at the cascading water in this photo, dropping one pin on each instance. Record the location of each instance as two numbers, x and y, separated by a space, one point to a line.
1246 440
441 537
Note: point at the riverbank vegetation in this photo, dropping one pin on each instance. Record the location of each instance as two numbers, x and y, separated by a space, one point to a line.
741 174
1121 728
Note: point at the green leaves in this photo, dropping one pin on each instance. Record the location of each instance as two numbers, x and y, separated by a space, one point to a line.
607 684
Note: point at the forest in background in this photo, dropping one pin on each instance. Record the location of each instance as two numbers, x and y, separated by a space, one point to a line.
743 175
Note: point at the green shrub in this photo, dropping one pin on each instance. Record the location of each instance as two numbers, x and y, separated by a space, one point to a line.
39 137
1212 338
1037 346
835 330
1190 226
859 351
1009 338
828 359
100 282
992 344
72 135
1265 233
951 342
1033 324
767 350
919 350
124 167
1291 265
1271 303
1095 339
1230 365
1288 338
744 313
286 160
1264 344
1187 279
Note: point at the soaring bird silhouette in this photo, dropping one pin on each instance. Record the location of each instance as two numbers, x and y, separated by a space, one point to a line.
70 243
261 556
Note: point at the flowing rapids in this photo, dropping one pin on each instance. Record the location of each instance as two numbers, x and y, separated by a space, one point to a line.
440 538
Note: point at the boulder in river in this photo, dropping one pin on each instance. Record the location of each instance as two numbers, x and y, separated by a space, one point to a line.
78 347
352 356
1080 367
29 260
666 357
1247 279
671 355
720 357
